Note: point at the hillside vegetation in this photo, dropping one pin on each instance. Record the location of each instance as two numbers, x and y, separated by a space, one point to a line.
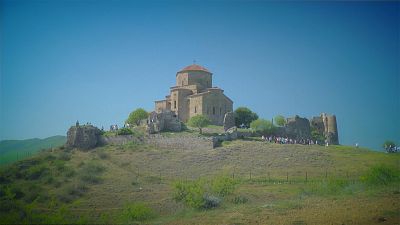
13 150
241 182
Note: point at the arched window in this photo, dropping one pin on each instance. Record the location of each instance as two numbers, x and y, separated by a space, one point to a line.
174 104
213 110
195 109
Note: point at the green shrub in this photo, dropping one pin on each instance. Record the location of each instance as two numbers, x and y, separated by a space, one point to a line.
333 186
191 193
381 175
199 121
203 194
91 171
102 155
69 172
240 199
12 192
33 193
124 131
37 171
262 126
72 192
49 157
59 164
108 134
211 201
65 156
137 212
223 186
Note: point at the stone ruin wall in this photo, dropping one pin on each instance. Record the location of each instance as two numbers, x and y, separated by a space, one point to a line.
183 142
298 128
324 124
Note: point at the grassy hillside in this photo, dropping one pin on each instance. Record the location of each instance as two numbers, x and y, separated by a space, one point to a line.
13 150
242 182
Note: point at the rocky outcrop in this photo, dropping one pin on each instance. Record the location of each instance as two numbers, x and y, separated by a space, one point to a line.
229 121
83 137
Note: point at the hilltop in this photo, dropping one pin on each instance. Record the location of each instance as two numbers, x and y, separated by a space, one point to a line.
250 182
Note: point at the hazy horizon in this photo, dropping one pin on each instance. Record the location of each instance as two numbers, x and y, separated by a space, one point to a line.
96 61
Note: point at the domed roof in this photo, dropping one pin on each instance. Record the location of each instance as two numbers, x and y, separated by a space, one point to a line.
194 67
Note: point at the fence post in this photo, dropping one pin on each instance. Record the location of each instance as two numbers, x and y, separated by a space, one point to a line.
306 177
287 176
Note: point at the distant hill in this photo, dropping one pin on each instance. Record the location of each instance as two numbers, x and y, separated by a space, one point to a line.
12 150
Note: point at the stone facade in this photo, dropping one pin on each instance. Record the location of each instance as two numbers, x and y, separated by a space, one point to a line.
83 137
194 95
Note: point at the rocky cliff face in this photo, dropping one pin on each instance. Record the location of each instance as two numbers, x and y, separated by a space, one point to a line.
83 137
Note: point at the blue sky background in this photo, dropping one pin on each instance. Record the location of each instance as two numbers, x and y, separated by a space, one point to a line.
95 61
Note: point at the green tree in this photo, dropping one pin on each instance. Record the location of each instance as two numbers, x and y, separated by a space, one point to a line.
199 121
244 115
136 116
262 126
280 120
389 145
316 136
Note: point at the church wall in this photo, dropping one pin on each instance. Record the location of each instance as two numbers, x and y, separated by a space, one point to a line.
180 103
215 105
196 106
182 79
202 79
161 105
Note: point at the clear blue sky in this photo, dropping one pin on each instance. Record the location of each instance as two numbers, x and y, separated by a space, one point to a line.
96 61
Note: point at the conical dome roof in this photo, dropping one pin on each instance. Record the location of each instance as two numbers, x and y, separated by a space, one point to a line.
194 67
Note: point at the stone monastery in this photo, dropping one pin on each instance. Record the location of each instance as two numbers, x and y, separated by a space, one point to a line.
194 95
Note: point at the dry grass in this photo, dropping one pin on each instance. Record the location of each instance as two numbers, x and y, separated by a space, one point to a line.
140 173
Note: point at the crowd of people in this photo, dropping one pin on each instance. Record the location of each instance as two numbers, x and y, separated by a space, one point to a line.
286 140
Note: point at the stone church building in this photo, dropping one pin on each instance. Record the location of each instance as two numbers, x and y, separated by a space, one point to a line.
194 95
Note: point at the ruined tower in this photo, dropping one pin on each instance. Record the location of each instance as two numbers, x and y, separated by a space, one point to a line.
330 128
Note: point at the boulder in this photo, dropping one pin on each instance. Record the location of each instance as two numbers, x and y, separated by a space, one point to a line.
83 137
